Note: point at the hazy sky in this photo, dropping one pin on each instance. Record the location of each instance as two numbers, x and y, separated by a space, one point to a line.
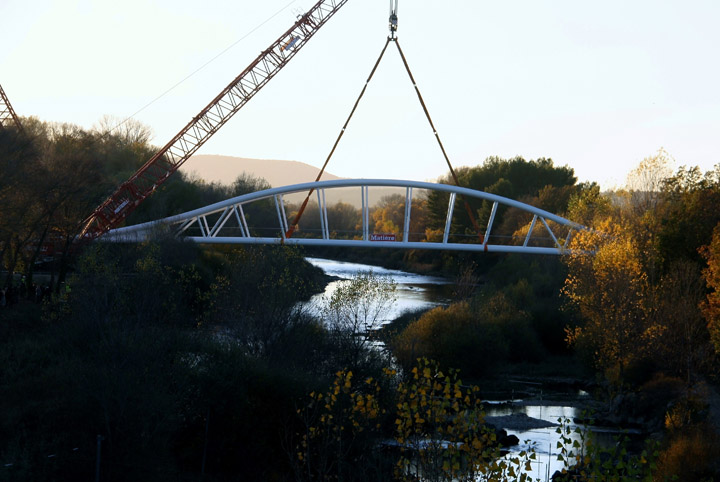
594 85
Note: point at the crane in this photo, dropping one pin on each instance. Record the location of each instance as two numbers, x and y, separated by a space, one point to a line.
7 114
227 103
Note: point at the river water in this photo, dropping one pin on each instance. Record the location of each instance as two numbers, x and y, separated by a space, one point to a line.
418 292
414 291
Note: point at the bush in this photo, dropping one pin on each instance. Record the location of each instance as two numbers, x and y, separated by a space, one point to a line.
690 456
474 337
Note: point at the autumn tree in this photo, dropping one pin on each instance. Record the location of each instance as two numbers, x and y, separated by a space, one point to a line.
608 286
711 306
389 216
426 426
338 430
441 430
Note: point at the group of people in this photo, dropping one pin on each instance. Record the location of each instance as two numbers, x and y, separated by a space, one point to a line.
12 294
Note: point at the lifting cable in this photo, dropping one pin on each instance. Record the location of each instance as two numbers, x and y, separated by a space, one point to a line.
392 38
294 224
437 136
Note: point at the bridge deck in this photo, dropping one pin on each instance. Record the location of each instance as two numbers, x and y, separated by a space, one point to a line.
262 218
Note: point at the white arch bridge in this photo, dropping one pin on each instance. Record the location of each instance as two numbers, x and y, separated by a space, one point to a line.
358 212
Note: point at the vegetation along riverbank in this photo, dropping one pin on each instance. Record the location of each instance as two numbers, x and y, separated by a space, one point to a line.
164 360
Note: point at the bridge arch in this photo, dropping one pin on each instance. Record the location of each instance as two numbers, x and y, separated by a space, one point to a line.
229 221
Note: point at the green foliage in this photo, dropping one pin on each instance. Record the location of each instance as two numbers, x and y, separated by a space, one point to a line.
111 282
689 214
588 205
514 178
586 460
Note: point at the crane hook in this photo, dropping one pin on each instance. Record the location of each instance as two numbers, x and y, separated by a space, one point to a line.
393 18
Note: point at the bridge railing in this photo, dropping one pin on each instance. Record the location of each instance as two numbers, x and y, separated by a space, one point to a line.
366 213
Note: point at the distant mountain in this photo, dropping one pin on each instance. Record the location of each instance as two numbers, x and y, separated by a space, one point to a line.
225 169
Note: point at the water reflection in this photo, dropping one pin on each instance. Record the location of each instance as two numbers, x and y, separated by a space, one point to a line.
414 291
543 441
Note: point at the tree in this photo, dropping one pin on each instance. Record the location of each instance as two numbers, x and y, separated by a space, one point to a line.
389 216
711 306
74 185
647 180
20 192
440 428
344 221
355 309
550 198
684 347
609 287
258 293
452 335
339 428
129 131
690 212
426 426
514 178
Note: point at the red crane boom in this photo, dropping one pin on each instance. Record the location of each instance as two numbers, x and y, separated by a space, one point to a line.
168 159
7 114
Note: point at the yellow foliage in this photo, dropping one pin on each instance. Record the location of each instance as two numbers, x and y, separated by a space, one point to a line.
436 428
612 293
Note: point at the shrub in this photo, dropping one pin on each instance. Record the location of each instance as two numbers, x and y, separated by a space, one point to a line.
473 337
690 456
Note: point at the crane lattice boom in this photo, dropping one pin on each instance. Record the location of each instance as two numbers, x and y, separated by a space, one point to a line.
168 159
7 114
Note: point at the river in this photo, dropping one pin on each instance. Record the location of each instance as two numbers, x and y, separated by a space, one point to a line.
518 417
414 291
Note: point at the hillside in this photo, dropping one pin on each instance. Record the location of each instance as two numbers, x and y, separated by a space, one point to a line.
225 169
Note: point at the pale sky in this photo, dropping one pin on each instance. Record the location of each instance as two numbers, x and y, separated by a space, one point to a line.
597 86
